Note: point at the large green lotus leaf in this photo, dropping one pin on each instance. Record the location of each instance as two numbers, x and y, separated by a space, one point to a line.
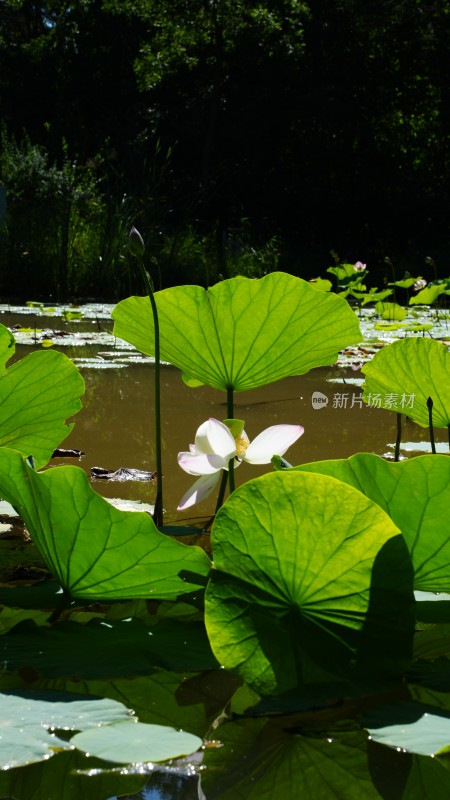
428 295
27 719
241 333
416 495
261 761
132 742
106 649
311 582
94 549
37 394
405 374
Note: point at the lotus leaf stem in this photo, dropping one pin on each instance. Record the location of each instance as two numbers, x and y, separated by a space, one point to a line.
158 510
399 436
430 424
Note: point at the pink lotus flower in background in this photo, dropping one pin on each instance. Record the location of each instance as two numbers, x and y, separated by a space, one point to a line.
420 284
359 266
215 446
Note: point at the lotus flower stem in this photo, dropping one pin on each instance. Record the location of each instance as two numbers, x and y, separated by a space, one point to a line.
158 511
227 477
430 424
399 436
136 246
222 488
230 413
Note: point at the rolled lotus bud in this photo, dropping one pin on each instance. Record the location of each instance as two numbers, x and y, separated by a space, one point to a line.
136 244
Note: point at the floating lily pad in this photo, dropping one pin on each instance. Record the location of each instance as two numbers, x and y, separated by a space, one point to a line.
420 447
411 726
130 505
28 719
136 742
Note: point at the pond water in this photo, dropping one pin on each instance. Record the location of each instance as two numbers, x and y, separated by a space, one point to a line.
115 426
115 429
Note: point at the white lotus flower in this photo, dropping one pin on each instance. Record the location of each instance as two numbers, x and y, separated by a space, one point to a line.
420 284
215 446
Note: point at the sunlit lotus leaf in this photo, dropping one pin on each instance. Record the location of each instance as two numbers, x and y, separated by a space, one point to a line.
373 296
321 284
241 333
136 742
37 394
27 719
428 295
92 548
343 271
405 374
416 495
406 283
412 726
311 582
391 311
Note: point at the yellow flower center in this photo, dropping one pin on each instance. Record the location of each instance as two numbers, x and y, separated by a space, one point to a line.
242 443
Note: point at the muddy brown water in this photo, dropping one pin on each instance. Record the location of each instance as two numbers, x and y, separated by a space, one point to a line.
115 428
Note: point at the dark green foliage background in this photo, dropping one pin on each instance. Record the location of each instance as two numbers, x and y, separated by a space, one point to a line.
238 136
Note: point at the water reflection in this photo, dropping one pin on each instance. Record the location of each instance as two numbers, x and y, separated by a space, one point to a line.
167 786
